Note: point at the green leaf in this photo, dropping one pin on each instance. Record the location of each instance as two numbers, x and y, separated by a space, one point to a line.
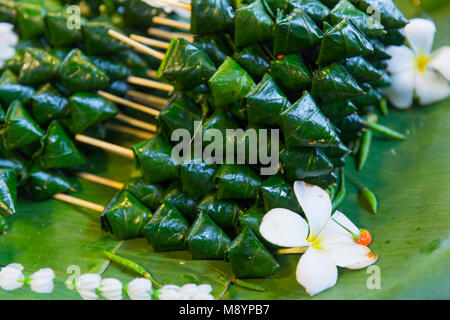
196 177
305 162
236 182
180 200
48 104
278 193
8 11
224 212
150 195
8 192
38 66
30 19
340 108
57 32
362 70
14 91
253 60
97 40
113 70
290 73
211 16
391 16
215 46
314 8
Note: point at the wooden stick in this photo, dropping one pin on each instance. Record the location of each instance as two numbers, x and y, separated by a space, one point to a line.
136 123
292 250
79 202
121 151
169 35
150 83
151 74
174 4
138 46
128 103
128 130
150 42
171 23
100 180
154 101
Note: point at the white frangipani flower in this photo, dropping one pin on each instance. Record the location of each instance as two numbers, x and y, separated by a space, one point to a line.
87 285
11 277
329 240
169 292
111 289
189 291
41 281
139 289
8 41
416 70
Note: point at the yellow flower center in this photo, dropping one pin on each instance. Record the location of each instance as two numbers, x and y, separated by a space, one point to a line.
421 62
315 242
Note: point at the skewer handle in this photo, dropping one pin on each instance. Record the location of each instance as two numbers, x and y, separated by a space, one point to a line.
155 32
175 4
154 101
150 42
171 23
121 151
100 180
138 46
135 122
128 130
78 202
128 103
150 83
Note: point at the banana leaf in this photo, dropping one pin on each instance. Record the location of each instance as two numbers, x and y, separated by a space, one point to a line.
57 31
59 151
125 217
342 41
167 230
211 16
180 200
42 184
113 70
368 25
256 16
266 102
215 47
290 73
8 11
30 19
96 38
185 65
294 31
5 224
304 163
278 193
334 83
249 258
338 109
236 182
361 69
78 73
225 213
314 8
150 195
20 128
196 177
154 158
38 66
230 83
48 104
14 91
253 60
305 125
8 192
206 240
391 16
87 109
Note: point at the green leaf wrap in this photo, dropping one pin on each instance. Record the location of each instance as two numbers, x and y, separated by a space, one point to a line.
11 160
180 200
211 16
206 240
350 125
252 218
230 83
38 66
305 125
224 212
253 60
8 77
59 150
125 217
342 41
167 230
30 19
8 192
215 47
138 13
236 181
220 120
196 177
379 50
361 69
314 8
266 102
20 128
334 83
97 40
290 73
338 109
294 31
391 16
14 91
48 104
305 162
8 11
57 32
249 258
87 109
393 37
150 195
154 158
113 70
78 73
185 65
278 193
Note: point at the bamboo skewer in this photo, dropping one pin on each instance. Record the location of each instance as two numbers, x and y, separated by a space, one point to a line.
100 180
79 202
121 151
138 46
150 83
141 97
150 42
128 103
136 123
171 23
187 7
155 32
151 74
128 130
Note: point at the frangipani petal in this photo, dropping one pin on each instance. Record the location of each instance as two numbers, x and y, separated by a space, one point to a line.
284 228
420 35
350 255
316 205
401 92
402 59
441 61
316 272
431 87
342 220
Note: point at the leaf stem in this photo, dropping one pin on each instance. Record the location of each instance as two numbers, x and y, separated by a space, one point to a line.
247 285
371 122
132 266
295 250
365 192
365 148
383 107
